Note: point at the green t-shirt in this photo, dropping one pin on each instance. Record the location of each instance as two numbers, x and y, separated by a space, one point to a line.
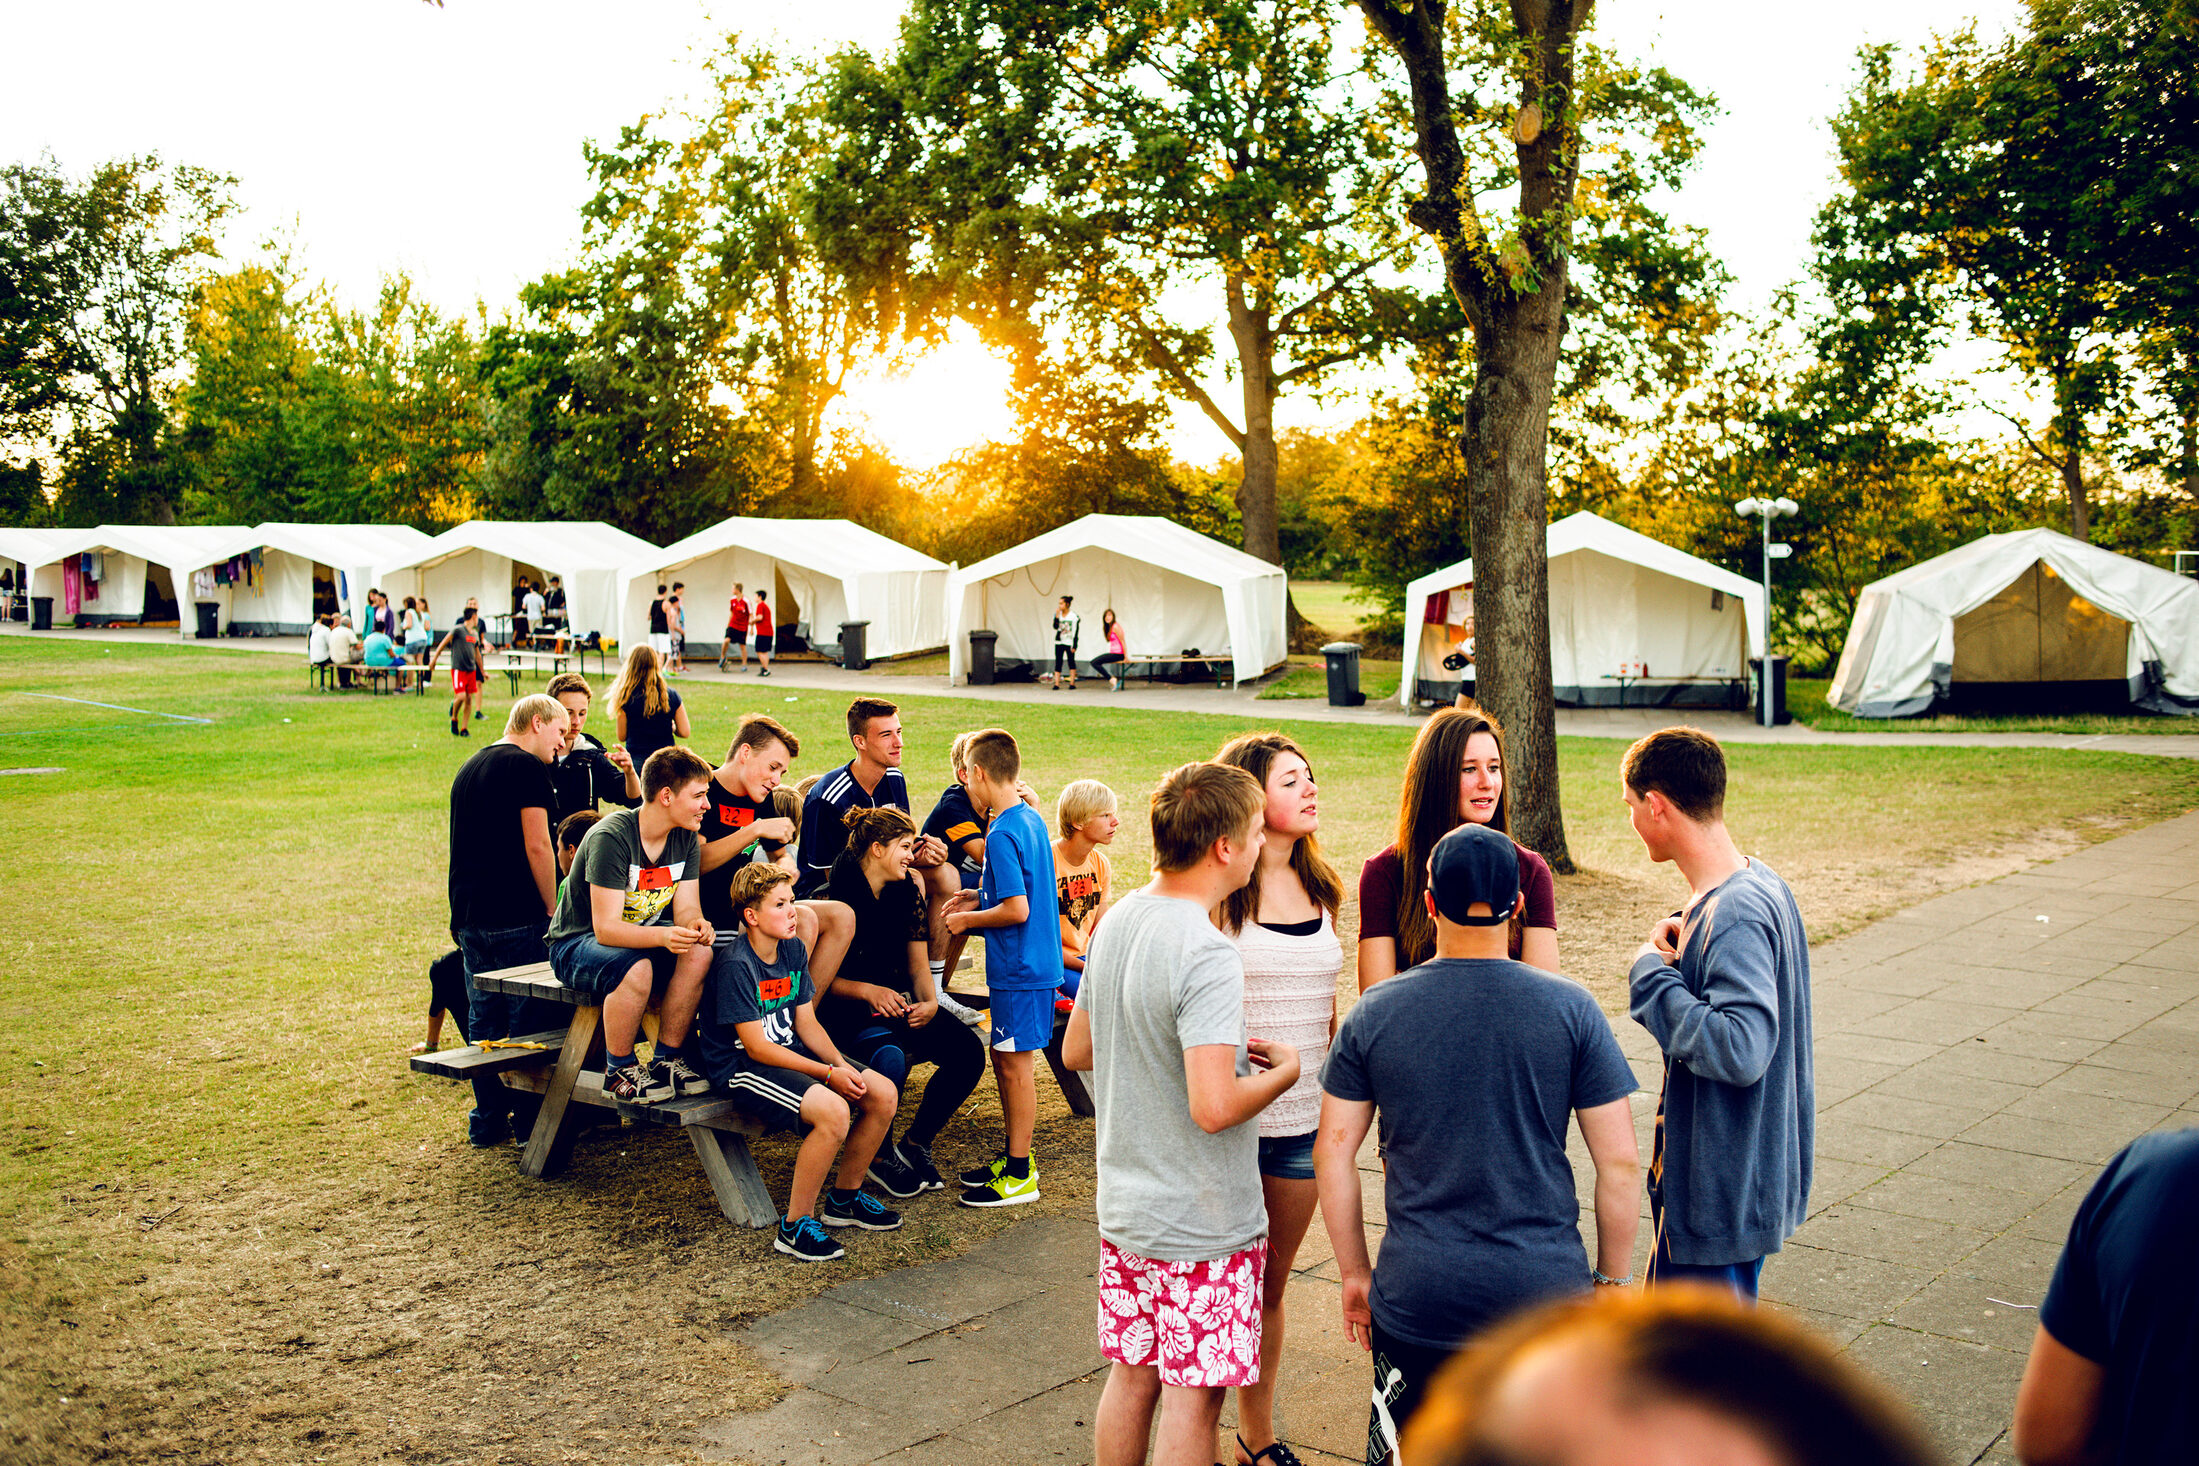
611 854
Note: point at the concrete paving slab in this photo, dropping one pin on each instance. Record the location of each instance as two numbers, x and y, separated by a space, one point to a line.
1841 1284
1906 1114
2089 1145
1962 1390
1986 1209
1918 1242
1968 1163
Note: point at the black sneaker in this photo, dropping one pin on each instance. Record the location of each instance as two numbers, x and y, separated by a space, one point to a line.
804 1240
860 1210
635 1084
918 1159
983 1175
894 1175
677 1075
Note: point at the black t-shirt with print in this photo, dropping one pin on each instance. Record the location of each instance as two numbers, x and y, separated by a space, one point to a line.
730 812
491 884
743 988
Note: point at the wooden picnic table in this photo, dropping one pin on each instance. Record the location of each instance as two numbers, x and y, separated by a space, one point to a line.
1156 664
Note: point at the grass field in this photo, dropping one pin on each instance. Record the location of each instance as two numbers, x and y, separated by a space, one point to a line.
230 1219
1806 700
1331 605
1309 677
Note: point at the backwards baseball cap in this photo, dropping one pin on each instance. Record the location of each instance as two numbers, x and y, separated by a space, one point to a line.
1475 863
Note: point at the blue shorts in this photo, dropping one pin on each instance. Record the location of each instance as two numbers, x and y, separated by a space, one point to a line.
585 964
1023 1020
1287 1157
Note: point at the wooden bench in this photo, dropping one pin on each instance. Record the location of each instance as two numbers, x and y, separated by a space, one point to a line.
518 660
395 679
1223 666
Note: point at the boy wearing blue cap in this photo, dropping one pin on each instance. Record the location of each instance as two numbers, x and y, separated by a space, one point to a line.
1470 1043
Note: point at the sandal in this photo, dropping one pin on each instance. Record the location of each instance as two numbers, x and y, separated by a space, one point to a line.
1279 1454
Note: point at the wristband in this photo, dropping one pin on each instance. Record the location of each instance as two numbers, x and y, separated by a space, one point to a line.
1604 1282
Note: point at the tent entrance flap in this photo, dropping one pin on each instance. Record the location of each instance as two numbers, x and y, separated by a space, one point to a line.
2038 630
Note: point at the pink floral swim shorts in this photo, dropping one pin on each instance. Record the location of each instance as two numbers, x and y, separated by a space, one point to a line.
1199 1322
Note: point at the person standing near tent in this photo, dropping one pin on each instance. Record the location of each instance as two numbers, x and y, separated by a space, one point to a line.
534 608
464 641
761 622
415 627
650 715
1117 649
675 616
736 630
553 606
660 626
1066 626
1454 776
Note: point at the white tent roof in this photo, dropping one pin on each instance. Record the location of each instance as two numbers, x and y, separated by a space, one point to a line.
588 555
1902 646
835 568
353 550
1592 534
36 547
1171 588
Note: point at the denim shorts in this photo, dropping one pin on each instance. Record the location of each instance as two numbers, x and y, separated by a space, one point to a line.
1287 1157
585 964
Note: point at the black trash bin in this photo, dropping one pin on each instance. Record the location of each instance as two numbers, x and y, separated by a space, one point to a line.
1770 673
41 613
981 657
853 650
1343 660
209 619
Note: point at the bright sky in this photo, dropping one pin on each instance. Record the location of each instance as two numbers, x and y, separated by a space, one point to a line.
391 134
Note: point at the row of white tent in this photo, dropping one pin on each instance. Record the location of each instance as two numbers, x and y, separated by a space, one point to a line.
1631 619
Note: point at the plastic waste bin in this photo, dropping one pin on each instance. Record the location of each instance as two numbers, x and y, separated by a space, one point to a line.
1343 660
1771 677
41 613
209 619
853 636
981 657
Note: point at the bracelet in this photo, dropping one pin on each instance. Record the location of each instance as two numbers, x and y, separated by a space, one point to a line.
1604 1282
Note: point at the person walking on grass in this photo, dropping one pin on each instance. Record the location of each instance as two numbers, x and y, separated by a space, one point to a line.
763 1045
630 929
650 714
1015 909
1470 1047
503 889
1159 1022
1283 923
759 621
464 644
736 630
1723 985
1453 776
1066 627
883 1008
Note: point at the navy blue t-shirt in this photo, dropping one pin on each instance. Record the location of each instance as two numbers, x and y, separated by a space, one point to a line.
824 808
1476 1066
2126 1296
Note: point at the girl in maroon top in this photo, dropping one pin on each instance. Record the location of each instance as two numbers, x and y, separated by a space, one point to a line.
1455 776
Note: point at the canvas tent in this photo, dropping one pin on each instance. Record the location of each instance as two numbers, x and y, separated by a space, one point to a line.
1619 600
820 573
123 572
33 558
1172 590
2022 619
486 557
273 579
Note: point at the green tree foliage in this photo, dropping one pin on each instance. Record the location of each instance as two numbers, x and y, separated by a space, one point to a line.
98 275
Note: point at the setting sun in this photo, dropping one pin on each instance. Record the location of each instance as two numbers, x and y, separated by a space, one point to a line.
933 406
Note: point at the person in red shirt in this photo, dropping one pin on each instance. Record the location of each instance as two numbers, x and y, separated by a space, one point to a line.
736 630
760 623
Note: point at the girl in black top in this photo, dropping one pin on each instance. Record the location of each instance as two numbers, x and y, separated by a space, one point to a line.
649 713
882 1007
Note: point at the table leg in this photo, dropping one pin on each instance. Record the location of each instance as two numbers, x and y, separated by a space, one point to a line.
550 1144
731 1169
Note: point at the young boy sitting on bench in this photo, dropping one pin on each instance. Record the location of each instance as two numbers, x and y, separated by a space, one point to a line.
629 927
761 1040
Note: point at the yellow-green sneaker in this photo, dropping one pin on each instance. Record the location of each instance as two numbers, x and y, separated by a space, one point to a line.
1003 1189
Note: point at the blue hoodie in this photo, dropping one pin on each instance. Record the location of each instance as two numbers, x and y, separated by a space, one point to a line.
1739 1108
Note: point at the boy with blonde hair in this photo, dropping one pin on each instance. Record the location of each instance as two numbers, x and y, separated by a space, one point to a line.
1084 882
1014 906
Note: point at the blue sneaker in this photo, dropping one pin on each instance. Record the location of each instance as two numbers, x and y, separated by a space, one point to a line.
861 1210
804 1240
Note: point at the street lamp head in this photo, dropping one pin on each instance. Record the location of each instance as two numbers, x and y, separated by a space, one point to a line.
1747 508
1789 508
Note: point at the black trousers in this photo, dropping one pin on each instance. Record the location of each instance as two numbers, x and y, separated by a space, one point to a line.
1401 1374
893 1048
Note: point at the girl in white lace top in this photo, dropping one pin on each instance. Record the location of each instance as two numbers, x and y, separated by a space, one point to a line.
1284 925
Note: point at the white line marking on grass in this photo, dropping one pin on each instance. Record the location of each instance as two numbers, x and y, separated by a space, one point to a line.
4 772
116 707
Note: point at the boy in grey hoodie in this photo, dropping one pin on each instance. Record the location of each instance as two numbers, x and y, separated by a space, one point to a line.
1724 987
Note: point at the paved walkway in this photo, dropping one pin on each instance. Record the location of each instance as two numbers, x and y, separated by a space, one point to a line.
1978 1058
797 678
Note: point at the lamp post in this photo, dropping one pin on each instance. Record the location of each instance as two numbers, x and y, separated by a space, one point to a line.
1767 510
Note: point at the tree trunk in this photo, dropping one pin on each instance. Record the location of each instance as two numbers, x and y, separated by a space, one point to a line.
1507 438
1253 333
2080 508
2189 459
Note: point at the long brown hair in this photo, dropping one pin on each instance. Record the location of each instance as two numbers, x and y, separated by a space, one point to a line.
1427 810
641 673
1256 753
880 826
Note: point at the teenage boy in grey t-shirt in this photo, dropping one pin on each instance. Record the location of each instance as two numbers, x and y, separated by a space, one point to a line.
1159 1022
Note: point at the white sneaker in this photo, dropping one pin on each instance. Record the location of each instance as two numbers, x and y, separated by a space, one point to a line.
952 1009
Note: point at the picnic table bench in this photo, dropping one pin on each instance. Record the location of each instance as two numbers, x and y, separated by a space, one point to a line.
1222 664
565 1066
522 659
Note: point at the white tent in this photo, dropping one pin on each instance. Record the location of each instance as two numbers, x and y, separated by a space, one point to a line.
820 572
1618 601
278 594
485 558
123 570
35 555
2023 609
1172 589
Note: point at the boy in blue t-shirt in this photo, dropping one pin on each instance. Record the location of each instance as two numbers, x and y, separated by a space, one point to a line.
1016 908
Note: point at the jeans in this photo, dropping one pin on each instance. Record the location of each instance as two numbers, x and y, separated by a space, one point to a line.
499 1112
892 1048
